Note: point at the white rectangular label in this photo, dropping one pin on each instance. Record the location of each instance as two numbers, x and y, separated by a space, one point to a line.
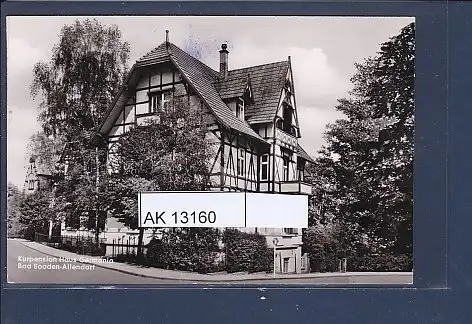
222 209
276 210
191 209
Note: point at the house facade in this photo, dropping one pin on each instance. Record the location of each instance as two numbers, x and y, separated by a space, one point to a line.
252 125
37 177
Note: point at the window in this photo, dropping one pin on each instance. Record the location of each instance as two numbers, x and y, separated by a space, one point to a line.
166 100
31 184
265 167
287 116
241 162
154 103
285 168
159 101
290 231
285 268
240 109
301 175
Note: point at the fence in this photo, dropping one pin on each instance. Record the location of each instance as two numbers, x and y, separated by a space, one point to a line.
85 245
123 246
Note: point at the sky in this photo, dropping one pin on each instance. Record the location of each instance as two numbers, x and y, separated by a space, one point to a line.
323 52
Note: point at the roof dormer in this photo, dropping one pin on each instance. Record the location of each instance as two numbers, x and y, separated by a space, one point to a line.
240 108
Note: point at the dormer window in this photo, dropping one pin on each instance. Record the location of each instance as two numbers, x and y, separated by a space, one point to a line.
240 108
249 91
159 101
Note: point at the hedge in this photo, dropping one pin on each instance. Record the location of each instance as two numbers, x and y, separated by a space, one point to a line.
381 262
246 252
186 249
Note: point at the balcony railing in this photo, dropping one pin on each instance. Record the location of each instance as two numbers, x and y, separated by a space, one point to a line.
286 139
295 187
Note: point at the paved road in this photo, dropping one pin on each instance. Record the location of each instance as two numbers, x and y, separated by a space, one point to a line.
96 276
17 252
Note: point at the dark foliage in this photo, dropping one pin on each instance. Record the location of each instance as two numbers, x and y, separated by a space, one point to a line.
323 246
363 177
246 252
185 249
35 214
77 85
14 227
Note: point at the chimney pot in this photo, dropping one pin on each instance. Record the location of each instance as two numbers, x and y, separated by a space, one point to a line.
224 62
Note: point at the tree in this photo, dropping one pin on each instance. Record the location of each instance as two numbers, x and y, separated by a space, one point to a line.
46 150
367 162
76 86
14 196
35 214
324 247
87 68
168 153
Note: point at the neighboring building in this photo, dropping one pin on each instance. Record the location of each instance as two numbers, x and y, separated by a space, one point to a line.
37 177
252 118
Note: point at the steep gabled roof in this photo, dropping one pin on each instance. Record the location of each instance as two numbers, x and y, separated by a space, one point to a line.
201 77
303 154
232 88
267 81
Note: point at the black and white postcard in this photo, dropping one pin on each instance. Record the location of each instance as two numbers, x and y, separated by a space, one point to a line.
308 121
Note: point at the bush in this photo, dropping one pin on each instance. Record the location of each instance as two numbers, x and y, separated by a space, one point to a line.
185 249
34 214
323 249
246 252
380 262
155 254
126 258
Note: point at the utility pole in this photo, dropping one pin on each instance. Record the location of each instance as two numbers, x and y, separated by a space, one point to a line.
275 241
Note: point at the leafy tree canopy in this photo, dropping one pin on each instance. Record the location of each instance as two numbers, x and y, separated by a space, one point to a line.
363 178
170 152
76 86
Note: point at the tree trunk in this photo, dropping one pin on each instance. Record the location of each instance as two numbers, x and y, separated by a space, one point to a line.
50 230
139 255
97 182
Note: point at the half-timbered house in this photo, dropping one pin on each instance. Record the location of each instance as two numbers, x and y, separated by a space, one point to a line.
252 121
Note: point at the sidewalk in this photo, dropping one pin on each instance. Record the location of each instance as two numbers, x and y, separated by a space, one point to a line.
155 273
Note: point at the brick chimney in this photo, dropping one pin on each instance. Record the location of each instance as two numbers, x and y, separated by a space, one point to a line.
223 62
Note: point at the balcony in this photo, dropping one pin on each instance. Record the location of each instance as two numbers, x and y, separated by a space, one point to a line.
286 140
295 187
